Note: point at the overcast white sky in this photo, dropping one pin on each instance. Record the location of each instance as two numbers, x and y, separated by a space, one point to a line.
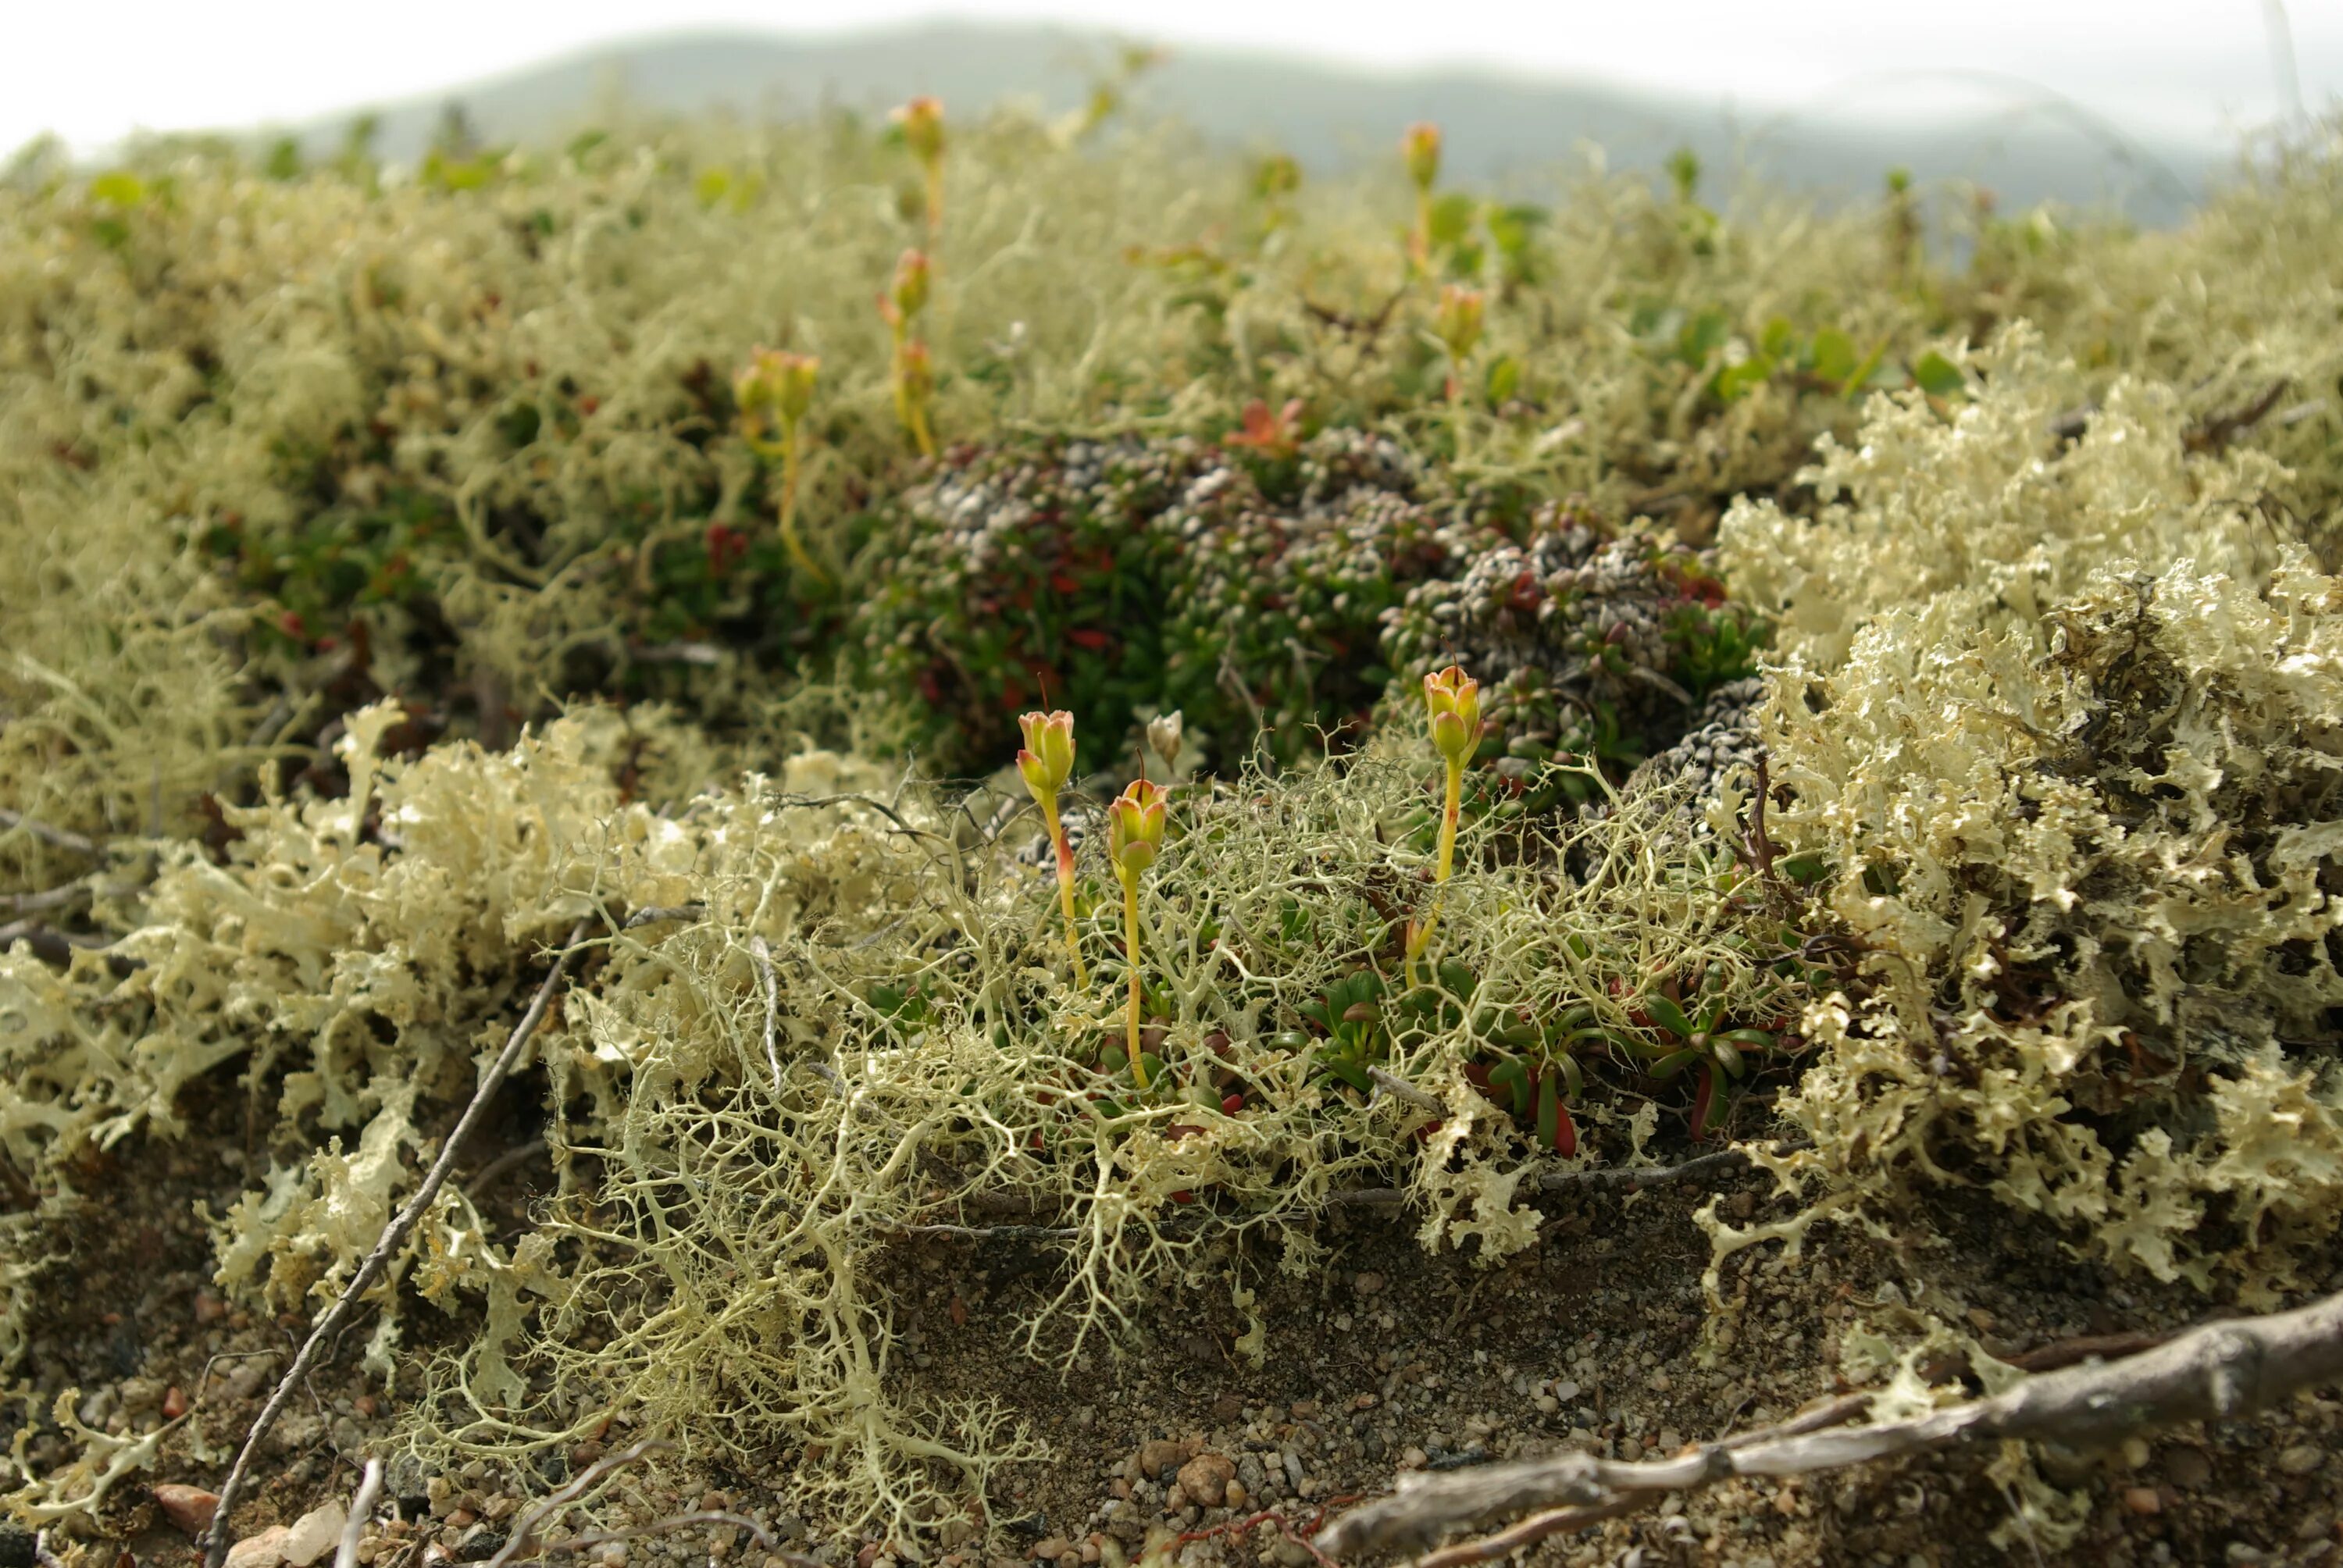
94 71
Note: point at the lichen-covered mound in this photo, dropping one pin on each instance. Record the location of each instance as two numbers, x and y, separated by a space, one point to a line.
816 1012
2099 889
2058 735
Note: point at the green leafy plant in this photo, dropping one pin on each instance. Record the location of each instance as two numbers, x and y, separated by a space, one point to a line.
1351 1018
1692 1037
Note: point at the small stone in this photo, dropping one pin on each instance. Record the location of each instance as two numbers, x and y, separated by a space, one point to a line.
188 1507
1235 1496
1156 1455
1228 1407
1305 1410
2300 1458
1670 1440
1205 1479
1413 1458
314 1534
462 1519
2187 1468
1548 1405
1631 1449
1369 1284
1050 1548
2144 1500
1980 1320
175 1403
265 1549
714 1502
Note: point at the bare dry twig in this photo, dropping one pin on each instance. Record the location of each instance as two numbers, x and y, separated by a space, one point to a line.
327 1330
524 1529
345 1555
521 1545
2214 1373
55 837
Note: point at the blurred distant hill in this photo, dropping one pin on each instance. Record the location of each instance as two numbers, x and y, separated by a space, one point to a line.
1327 116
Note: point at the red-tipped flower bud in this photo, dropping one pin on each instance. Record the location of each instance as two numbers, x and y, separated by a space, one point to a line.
1421 147
919 369
1452 700
1048 759
1458 319
777 383
1134 827
908 294
923 124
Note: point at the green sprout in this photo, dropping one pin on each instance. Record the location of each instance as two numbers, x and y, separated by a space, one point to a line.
1045 764
1350 1013
1699 1041
1134 836
774 393
1453 706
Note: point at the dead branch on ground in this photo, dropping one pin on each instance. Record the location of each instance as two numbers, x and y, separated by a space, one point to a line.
2214 1373
218 1537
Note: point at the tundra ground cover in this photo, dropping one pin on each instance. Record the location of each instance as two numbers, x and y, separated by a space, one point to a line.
399 570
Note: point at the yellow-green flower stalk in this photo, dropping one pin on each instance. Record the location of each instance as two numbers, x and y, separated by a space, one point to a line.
1134 836
913 374
774 392
1420 148
1458 322
1045 765
1452 704
922 122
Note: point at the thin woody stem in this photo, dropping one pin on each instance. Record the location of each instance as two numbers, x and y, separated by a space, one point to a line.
900 329
1065 886
1130 953
1420 937
789 540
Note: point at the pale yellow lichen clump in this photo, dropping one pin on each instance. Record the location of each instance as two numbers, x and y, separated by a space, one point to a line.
1986 502
2097 881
